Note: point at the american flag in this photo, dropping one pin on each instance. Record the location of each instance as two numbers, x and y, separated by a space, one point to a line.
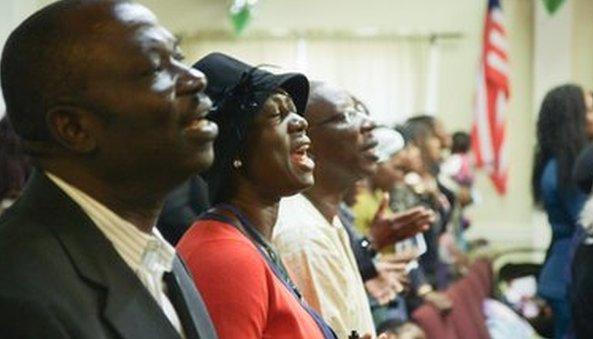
488 130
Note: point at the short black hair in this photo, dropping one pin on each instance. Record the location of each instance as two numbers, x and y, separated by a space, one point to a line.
43 62
461 142
419 128
423 119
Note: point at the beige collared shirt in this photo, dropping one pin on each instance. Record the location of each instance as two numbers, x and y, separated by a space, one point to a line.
319 257
148 255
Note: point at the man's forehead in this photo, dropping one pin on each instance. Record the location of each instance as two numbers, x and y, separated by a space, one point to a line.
327 101
131 13
337 101
144 22
155 36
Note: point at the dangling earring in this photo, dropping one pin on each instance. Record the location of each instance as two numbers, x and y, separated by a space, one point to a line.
237 163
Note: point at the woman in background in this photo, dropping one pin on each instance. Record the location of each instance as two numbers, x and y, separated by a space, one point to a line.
564 126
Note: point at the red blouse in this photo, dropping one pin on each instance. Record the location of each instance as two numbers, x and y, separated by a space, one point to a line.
243 296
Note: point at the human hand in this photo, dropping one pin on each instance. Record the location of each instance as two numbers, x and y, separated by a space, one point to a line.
396 265
384 287
439 300
388 230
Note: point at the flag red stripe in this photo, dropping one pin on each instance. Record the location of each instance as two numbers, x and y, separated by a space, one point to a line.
488 130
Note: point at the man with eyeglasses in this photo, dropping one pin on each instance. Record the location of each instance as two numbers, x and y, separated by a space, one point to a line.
309 235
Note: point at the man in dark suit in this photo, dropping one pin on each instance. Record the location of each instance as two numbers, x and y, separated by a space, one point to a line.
114 121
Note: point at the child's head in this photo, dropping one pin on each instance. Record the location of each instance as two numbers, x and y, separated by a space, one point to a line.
461 142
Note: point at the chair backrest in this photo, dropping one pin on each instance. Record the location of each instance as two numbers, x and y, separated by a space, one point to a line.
483 268
434 325
477 285
469 302
466 319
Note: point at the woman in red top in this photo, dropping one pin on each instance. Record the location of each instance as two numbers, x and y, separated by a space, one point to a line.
260 156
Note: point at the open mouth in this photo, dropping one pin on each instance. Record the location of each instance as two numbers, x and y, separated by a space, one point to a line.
370 145
201 129
197 125
368 149
300 156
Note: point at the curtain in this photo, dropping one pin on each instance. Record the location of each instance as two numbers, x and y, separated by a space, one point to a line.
391 75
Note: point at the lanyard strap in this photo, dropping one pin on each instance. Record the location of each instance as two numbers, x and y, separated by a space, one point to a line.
273 261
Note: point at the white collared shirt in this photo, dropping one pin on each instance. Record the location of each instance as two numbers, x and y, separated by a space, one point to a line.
319 257
148 255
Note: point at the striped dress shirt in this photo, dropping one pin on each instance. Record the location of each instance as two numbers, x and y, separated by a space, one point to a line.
149 255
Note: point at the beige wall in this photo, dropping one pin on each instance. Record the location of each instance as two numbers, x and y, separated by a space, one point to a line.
582 43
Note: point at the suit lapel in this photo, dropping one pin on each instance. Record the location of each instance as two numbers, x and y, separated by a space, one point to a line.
128 306
189 304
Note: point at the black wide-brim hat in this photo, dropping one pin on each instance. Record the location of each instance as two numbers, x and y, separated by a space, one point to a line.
226 74
238 92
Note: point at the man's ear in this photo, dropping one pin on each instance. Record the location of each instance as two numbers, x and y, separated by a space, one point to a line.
74 128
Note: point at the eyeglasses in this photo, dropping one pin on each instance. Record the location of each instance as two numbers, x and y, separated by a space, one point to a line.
347 117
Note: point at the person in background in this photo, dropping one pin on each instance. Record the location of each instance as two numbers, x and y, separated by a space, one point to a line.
582 266
564 125
384 277
372 216
457 175
261 156
408 193
583 173
309 235
113 121
182 207
15 167
373 201
421 132
405 193
437 127
457 171
374 197
581 290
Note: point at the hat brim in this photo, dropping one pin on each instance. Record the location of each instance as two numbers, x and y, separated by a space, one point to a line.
297 86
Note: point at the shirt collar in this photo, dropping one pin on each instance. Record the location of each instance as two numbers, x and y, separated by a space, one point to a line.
315 213
140 250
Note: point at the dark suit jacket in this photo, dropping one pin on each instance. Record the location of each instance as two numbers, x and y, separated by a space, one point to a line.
61 278
581 291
